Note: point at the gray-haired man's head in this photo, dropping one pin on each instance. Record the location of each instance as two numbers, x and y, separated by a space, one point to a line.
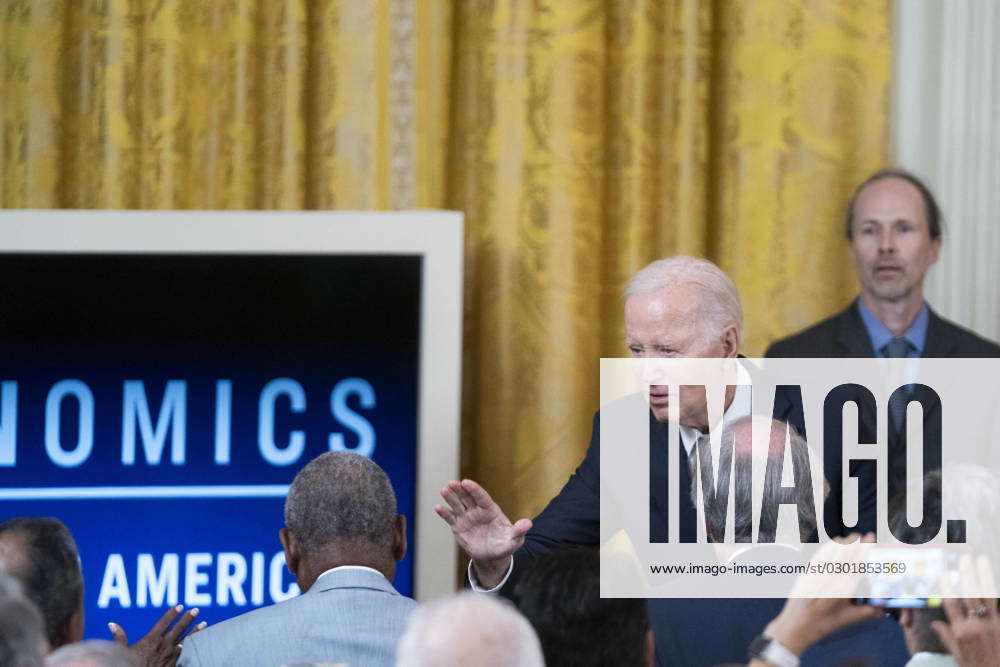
718 302
769 457
22 631
341 507
682 307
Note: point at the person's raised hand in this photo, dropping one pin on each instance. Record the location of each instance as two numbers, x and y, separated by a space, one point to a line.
806 619
482 529
161 647
972 633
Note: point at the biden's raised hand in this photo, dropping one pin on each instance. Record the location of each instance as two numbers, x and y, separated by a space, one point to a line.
482 529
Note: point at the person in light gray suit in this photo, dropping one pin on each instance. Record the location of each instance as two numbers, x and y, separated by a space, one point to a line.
342 539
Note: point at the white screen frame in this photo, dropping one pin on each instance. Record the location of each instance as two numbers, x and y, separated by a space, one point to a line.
436 236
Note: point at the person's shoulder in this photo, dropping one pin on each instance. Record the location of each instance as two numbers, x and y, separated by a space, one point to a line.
245 623
815 340
966 343
287 617
231 635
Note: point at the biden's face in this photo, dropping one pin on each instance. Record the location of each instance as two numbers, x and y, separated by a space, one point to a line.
670 323
891 241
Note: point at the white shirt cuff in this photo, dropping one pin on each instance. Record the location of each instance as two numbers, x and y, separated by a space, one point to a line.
479 589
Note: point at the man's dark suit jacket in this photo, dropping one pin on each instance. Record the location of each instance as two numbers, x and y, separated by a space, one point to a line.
844 335
708 632
571 520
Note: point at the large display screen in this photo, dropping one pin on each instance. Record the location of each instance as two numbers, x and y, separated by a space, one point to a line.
160 404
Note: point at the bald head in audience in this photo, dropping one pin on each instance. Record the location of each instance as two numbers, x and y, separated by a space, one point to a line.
466 629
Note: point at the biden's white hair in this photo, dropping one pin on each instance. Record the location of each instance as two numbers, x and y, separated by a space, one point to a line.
720 305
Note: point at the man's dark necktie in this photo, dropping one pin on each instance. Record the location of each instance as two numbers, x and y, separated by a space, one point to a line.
897 348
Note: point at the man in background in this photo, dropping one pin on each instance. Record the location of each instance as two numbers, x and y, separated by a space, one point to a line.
893 225
469 629
342 539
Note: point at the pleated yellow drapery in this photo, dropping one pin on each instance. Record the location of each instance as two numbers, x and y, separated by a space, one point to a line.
582 138
235 104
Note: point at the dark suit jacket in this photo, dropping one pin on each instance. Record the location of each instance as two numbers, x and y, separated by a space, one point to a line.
572 519
844 335
702 633
705 632
691 632
681 626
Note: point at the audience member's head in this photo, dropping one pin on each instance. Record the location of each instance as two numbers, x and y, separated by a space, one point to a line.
41 554
341 510
561 597
760 455
93 653
469 629
22 632
919 631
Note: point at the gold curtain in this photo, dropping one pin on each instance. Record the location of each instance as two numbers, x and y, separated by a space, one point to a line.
223 104
582 139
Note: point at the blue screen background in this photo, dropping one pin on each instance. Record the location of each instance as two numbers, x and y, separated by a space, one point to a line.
105 320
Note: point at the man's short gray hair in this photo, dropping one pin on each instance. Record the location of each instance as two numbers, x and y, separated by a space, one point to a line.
720 307
469 628
341 496
800 459
93 653
22 631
